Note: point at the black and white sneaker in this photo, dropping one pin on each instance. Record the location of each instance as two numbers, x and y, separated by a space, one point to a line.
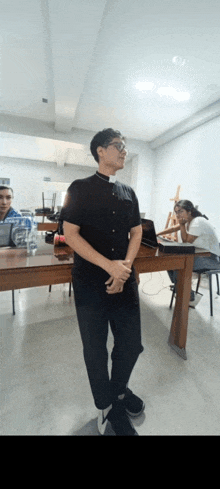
102 422
119 420
133 405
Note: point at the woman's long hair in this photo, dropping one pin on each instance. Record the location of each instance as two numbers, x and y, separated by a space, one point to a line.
189 207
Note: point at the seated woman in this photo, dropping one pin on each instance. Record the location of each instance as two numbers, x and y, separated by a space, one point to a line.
6 211
194 228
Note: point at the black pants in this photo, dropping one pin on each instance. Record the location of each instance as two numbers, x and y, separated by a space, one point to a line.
200 263
95 311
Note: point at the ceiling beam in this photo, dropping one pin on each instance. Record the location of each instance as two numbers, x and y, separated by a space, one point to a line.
74 27
199 118
61 155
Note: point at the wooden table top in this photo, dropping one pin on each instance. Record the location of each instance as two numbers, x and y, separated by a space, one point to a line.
46 255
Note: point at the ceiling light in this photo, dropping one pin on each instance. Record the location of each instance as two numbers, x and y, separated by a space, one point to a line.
172 92
182 96
142 86
178 60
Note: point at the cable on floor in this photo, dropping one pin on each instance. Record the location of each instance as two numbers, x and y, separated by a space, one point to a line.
164 287
150 278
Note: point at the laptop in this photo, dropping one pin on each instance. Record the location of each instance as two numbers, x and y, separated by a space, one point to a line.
150 239
149 235
5 235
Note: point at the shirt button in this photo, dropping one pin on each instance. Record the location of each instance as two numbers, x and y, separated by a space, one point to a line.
113 212
113 249
113 193
113 230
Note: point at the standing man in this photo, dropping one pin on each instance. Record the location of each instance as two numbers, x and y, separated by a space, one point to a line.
102 224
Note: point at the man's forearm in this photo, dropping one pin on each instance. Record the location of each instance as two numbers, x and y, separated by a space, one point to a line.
117 269
133 247
86 251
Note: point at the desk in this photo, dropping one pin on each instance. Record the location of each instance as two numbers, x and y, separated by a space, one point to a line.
149 260
47 226
18 270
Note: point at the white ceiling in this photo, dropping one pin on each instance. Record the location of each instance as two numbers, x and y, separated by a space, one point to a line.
86 57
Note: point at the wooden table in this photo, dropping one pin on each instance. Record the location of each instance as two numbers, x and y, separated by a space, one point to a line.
19 270
47 226
149 260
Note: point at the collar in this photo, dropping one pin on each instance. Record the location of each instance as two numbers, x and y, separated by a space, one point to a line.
110 179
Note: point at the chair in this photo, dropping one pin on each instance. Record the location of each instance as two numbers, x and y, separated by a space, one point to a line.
53 200
50 286
209 273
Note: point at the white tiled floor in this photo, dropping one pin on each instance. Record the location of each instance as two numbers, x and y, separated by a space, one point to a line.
45 390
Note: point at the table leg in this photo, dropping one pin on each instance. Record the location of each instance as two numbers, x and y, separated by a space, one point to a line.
178 331
13 302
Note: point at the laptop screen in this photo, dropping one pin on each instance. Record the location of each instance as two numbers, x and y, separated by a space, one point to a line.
5 234
149 235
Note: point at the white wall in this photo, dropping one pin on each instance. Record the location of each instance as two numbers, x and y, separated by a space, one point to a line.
26 176
192 161
142 173
26 179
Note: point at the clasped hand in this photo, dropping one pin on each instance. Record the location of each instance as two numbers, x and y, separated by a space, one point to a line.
119 273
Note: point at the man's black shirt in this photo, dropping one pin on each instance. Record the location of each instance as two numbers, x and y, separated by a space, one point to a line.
105 212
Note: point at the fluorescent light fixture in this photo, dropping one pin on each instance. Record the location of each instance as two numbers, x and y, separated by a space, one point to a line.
142 86
163 91
182 96
172 92
178 60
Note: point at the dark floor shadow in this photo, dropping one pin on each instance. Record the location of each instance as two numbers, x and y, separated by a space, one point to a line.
91 429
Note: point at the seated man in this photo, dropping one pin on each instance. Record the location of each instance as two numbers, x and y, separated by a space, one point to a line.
6 210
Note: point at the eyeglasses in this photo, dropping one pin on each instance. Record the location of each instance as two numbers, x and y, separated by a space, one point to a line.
119 146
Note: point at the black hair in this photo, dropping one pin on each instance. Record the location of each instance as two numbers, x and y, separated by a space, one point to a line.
103 138
189 207
3 187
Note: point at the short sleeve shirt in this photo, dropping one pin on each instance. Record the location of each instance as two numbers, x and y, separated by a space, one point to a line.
206 235
105 212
